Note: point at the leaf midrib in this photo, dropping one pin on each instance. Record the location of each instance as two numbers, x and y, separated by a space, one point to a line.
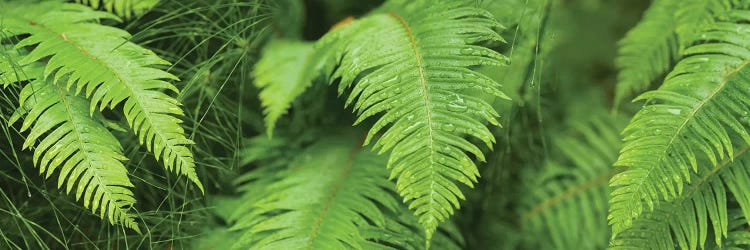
87 153
427 101
337 186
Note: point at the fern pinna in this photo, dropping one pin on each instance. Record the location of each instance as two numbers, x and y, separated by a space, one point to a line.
88 67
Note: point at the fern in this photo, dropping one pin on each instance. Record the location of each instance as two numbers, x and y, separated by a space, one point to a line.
278 89
419 80
124 8
84 151
111 70
685 220
348 203
653 40
569 201
692 122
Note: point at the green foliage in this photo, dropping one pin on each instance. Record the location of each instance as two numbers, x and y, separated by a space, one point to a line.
265 102
69 53
690 122
653 40
569 201
279 89
88 156
425 135
125 73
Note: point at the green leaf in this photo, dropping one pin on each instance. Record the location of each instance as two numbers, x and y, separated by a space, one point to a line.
332 188
692 122
411 62
99 61
273 74
87 155
567 198
648 50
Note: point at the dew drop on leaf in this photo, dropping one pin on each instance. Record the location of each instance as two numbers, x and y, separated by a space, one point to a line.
449 127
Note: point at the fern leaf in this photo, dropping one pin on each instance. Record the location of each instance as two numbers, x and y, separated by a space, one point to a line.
86 154
334 187
569 201
100 60
648 50
411 63
126 9
685 220
690 122
279 87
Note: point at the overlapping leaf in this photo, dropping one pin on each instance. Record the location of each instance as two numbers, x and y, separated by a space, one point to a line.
100 62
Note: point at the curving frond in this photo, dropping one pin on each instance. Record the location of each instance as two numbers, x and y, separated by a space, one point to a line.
648 50
100 60
124 8
66 138
692 122
568 201
410 62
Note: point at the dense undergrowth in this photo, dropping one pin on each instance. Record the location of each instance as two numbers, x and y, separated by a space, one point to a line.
333 124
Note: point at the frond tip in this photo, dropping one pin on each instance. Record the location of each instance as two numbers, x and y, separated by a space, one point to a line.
410 62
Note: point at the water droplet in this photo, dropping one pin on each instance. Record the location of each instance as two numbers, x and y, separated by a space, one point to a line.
397 90
472 39
674 111
467 51
449 127
657 131
457 105
489 90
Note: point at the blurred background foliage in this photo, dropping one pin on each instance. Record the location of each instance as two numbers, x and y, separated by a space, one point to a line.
561 80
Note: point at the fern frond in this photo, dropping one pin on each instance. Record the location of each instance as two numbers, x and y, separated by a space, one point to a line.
126 9
279 87
66 138
344 187
648 50
100 60
410 62
690 122
318 204
685 220
569 201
